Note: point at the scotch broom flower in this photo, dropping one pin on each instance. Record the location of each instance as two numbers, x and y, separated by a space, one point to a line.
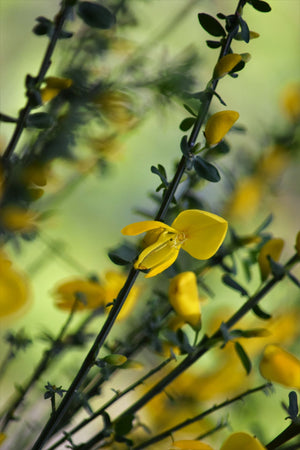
240 440
226 64
280 366
54 86
199 233
18 220
218 126
184 298
14 298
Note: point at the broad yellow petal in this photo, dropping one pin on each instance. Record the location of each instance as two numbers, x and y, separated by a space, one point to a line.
204 232
146 225
271 248
218 126
280 366
242 441
92 293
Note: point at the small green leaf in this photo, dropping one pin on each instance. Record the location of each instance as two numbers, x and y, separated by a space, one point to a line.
233 284
187 123
124 424
43 27
260 5
211 25
96 15
213 44
260 313
184 146
123 255
115 359
206 170
277 269
161 172
39 120
243 357
190 110
293 405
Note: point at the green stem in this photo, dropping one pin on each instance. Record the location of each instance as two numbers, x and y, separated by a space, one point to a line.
24 113
111 402
185 423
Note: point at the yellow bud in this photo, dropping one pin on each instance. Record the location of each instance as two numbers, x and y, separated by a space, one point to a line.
53 87
254 35
280 366
272 248
245 57
218 125
239 441
184 298
226 64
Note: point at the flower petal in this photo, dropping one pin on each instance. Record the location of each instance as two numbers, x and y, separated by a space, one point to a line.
190 445
218 125
146 225
272 248
184 298
239 441
158 256
226 64
204 232
280 366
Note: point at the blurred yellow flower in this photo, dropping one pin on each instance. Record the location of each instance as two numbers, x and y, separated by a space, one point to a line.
218 126
242 441
199 233
190 445
184 298
272 248
290 101
226 64
279 366
246 198
54 86
17 219
2 438
117 107
14 292
93 294
107 147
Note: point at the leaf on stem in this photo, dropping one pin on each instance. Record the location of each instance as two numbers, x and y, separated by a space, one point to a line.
211 25
206 170
243 357
260 5
96 15
234 284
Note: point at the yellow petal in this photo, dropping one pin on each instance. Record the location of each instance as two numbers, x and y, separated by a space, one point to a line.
92 293
271 248
112 284
204 232
17 219
140 227
14 293
297 244
280 366
184 298
242 441
158 256
290 101
190 445
218 125
226 64
53 87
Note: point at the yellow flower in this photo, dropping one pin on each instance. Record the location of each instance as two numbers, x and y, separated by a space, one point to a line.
88 294
199 233
190 445
290 101
272 248
53 87
246 198
95 294
14 293
239 441
226 64
2 438
218 126
280 366
18 219
184 298
107 146
117 107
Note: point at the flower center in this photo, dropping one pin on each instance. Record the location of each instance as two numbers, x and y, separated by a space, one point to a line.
178 239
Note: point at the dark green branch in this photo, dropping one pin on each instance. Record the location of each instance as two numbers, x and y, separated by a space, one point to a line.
290 432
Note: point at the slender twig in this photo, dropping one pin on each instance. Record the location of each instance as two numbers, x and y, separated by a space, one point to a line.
47 357
200 351
290 432
111 402
185 423
46 62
